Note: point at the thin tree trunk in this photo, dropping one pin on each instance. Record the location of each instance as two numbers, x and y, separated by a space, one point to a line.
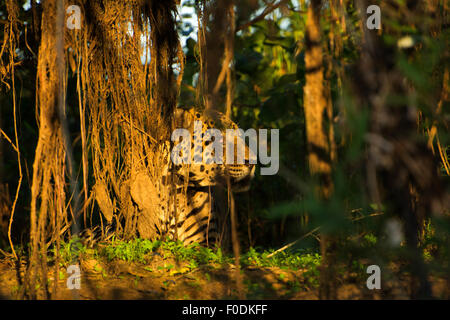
217 53
320 140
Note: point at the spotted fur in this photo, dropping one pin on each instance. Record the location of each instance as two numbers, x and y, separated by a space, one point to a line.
195 219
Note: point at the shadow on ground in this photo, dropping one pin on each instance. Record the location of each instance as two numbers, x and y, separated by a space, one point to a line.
120 280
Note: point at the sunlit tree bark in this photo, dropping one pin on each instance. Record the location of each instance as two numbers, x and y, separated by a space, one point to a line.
48 196
318 128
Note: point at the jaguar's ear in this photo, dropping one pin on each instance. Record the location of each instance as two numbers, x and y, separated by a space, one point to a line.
182 118
178 116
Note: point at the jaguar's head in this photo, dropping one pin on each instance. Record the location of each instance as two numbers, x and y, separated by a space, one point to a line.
208 172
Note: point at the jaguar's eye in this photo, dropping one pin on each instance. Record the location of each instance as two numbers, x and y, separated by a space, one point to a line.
197 115
211 123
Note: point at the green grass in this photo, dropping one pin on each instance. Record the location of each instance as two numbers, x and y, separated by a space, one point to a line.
69 251
193 256
139 250
196 255
289 260
295 259
132 251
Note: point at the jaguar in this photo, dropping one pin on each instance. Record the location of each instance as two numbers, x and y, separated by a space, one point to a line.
181 203
196 218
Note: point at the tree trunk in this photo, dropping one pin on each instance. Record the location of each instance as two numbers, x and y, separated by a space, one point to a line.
320 146
217 53
49 162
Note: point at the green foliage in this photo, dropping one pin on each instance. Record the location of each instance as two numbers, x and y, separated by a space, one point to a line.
294 260
358 267
309 262
196 255
69 251
131 251
137 250
370 239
